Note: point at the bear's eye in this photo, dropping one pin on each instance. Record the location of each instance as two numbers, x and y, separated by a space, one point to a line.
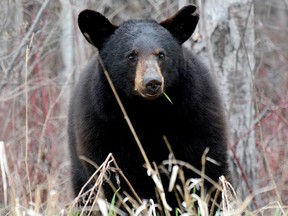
161 56
132 57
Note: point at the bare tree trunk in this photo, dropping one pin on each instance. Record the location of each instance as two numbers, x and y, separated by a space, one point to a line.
72 49
67 48
227 42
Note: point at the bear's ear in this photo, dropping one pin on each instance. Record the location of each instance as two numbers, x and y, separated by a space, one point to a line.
95 27
183 23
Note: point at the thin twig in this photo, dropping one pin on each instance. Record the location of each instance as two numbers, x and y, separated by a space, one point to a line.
28 49
149 167
4 171
126 180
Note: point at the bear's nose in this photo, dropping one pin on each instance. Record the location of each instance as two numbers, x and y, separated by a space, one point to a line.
153 85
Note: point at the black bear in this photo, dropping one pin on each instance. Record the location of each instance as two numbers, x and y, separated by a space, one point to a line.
165 90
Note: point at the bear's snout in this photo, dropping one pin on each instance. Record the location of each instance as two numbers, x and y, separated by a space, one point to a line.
149 81
153 84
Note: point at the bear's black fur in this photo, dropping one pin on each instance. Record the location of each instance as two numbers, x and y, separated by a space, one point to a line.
145 59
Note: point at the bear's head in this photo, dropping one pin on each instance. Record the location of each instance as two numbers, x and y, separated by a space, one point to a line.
143 57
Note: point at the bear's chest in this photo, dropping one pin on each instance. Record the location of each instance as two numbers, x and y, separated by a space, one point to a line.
150 126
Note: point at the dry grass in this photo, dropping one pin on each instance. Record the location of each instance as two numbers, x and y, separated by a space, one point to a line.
190 202
33 108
